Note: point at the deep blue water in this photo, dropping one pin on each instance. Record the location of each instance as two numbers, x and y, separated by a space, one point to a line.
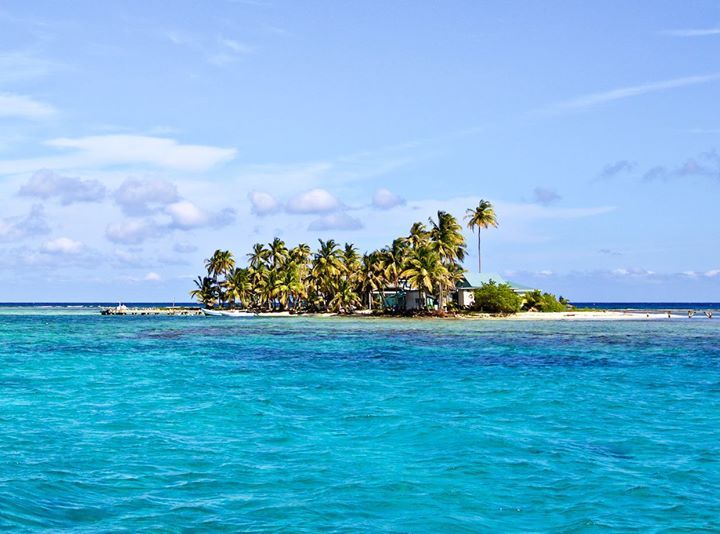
295 424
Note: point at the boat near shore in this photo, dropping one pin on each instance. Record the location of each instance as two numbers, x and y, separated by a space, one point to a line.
239 314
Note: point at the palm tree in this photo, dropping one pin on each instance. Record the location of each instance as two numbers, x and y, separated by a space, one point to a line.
418 235
326 268
205 290
301 254
447 239
393 258
258 256
278 253
425 271
345 298
350 260
220 263
483 216
372 274
238 286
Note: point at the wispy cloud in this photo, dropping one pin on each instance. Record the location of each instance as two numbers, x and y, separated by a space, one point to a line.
622 166
24 107
116 150
698 32
596 99
21 65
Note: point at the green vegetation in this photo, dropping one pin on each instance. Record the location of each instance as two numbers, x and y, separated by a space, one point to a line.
335 278
496 298
544 302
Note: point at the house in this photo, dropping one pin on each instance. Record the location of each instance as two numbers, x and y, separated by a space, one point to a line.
466 287
403 299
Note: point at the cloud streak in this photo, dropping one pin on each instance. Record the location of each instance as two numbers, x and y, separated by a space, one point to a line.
698 32
101 151
14 106
595 99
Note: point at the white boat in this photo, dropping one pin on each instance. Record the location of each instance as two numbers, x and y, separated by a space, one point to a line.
237 313
229 313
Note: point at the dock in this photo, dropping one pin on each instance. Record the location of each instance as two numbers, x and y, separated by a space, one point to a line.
172 311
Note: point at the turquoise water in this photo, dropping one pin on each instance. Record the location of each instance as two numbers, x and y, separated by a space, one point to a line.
302 425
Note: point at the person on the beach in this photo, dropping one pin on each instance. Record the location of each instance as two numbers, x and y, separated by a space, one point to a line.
690 314
668 314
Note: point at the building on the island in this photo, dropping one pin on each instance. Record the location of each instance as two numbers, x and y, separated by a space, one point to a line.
404 299
465 288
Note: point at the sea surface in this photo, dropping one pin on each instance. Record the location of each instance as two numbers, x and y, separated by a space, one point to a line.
375 425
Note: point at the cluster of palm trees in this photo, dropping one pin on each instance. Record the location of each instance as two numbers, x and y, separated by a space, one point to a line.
337 278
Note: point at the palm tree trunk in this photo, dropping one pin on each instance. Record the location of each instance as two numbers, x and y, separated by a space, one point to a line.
479 257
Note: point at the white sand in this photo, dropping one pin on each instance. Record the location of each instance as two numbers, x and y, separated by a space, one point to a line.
599 316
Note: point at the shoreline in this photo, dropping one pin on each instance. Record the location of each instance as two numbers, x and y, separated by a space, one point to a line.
570 315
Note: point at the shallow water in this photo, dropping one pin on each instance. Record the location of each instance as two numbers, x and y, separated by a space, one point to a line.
165 423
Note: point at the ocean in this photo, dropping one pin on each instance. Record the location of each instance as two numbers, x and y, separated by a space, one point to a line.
334 424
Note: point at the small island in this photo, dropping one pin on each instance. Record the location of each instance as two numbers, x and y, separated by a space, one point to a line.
419 274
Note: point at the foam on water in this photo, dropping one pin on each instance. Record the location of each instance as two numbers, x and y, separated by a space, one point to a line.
165 423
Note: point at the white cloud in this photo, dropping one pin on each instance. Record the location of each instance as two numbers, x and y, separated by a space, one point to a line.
594 99
117 150
133 231
336 221
236 46
62 245
185 214
158 151
633 271
313 201
24 107
702 32
141 197
152 277
263 203
385 199
47 184
712 273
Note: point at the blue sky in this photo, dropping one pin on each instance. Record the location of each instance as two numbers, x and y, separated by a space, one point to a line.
136 138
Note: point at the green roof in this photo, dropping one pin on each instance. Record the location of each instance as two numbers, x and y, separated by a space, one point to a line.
476 280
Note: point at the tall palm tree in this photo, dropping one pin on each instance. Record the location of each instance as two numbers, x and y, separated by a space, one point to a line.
483 216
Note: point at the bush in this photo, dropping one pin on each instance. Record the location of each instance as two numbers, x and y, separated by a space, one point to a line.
544 302
494 298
